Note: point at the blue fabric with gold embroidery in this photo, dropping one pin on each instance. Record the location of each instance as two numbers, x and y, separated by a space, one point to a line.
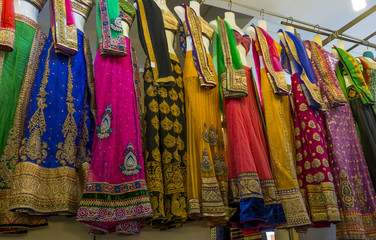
57 137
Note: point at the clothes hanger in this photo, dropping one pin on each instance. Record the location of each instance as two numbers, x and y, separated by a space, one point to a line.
317 38
262 23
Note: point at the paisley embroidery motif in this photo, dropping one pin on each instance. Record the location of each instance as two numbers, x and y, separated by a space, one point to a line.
347 193
116 24
104 130
211 137
206 165
219 165
130 166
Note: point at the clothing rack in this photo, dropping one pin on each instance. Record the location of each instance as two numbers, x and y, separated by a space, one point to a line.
317 31
333 34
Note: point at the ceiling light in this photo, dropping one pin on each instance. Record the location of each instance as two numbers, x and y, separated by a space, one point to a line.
358 4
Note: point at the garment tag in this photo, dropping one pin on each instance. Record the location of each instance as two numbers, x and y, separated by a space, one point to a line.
152 64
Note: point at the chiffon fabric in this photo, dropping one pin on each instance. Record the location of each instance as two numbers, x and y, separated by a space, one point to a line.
251 179
207 186
165 147
18 70
280 130
116 196
355 193
57 138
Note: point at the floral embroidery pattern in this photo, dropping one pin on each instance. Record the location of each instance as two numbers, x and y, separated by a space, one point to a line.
206 165
359 193
211 137
347 193
104 130
130 166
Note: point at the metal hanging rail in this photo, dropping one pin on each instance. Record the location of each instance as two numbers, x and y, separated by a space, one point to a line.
365 39
349 25
359 41
315 30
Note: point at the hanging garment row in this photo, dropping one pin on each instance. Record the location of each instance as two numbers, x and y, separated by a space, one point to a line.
209 141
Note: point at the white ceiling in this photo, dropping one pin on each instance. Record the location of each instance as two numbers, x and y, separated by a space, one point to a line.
332 14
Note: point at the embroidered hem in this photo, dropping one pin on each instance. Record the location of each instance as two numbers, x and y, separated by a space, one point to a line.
45 191
294 208
7 36
322 201
355 225
11 222
114 202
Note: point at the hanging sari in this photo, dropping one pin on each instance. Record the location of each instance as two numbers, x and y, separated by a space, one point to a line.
207 183
369 74
314 174
56 141
355 193
359 98
17 70
245 135
279 127
164 161
116 198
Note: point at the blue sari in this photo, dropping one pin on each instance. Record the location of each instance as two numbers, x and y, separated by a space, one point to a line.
58 134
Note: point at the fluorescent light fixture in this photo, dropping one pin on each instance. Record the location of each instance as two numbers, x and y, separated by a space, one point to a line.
358 4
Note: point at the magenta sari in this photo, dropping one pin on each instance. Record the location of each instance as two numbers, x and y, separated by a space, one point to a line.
116 197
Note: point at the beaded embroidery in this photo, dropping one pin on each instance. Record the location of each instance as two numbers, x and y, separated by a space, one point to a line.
211 137
347 193
205 163
130 166
116 24
104 130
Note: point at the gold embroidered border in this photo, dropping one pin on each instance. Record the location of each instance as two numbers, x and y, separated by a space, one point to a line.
38 3
294 208
212 202
148 43
7 36
42 190
10 156
193 206
322 201
246 185
279 82
313 88
202 59
10 221
66 36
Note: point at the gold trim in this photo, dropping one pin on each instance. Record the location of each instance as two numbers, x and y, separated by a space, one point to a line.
312 88
148 43
39 190
279 82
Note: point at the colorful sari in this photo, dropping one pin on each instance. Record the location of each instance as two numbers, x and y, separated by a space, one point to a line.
255 207
207 184
165 132
47 179
279 127
7 26
314 174
18 70
357 94
355 193
116 197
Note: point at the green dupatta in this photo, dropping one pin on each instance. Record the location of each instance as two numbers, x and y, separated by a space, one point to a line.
352 69
111 39
228 63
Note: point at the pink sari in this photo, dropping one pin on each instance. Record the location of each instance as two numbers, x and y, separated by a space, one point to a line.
116 197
